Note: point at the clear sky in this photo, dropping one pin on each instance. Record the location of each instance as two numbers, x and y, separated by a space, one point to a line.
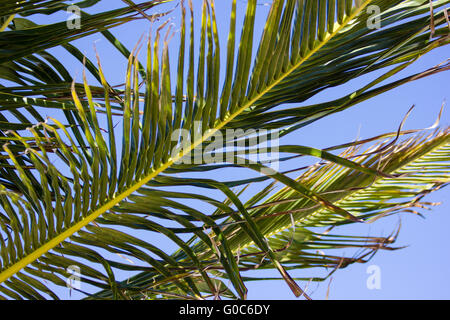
420 271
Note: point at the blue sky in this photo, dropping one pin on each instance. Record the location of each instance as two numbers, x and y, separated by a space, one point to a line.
420 271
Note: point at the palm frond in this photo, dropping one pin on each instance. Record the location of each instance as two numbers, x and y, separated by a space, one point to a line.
72 194
287 220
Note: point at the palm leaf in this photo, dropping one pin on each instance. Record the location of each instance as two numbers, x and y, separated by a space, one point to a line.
64 181
297 245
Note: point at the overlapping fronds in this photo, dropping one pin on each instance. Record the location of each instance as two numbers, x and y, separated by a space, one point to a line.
286 219
78 190
421 164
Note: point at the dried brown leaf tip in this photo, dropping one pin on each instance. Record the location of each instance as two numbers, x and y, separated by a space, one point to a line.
432 25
